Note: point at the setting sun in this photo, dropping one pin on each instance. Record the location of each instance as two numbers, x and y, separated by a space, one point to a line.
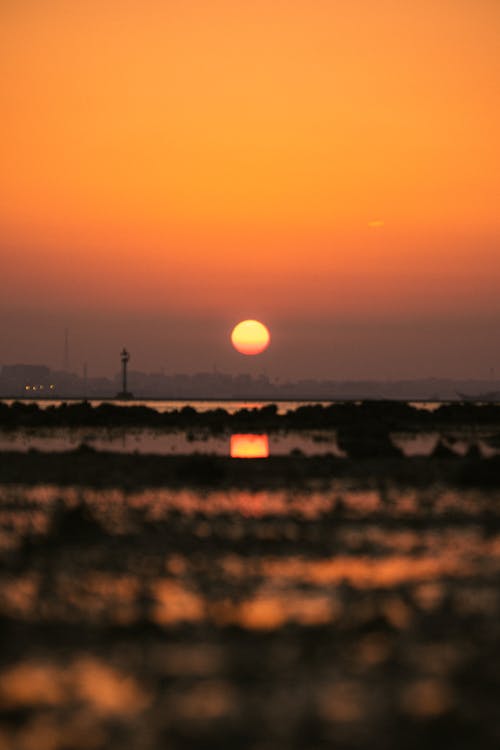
250 337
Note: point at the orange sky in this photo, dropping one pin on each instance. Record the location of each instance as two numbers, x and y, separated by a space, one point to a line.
333 160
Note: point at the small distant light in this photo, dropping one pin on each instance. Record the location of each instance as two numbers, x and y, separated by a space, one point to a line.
52 387
26 387
34 388
41 387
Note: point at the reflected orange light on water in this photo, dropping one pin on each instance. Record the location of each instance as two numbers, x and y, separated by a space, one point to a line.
249 446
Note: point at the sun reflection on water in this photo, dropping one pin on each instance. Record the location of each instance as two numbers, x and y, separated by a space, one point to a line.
249 446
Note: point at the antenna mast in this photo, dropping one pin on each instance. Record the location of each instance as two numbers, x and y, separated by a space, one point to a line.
66 351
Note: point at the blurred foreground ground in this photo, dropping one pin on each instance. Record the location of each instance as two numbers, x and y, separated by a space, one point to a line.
348 607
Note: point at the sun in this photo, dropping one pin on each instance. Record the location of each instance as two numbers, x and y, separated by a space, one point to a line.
250 337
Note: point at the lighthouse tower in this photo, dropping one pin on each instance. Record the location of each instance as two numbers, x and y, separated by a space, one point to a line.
124 393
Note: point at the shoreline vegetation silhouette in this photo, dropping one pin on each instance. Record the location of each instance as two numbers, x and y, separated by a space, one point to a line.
361 416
